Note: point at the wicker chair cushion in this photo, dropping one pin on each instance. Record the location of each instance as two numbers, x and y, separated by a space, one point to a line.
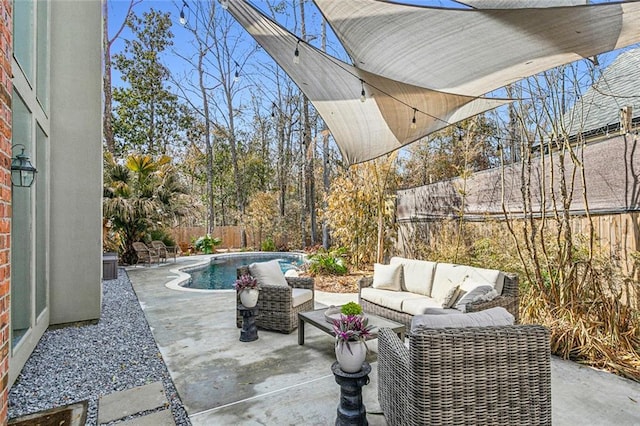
471 295
388 299
299 296
387 277
497 316
417 275
268 273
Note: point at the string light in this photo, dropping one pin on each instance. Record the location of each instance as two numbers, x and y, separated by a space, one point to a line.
413 120
363 94
183 20
296 54
224 4
237 75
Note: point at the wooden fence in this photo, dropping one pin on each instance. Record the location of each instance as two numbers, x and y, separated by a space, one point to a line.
231 236
616 234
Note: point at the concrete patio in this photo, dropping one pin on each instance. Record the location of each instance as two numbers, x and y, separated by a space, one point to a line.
275 381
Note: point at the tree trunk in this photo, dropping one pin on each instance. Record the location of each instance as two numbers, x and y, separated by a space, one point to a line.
107 128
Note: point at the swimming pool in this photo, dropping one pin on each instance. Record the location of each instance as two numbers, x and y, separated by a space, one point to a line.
220 273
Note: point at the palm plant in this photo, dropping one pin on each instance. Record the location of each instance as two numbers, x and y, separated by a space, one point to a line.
138 195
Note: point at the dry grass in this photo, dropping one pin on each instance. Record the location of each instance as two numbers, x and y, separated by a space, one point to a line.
338 283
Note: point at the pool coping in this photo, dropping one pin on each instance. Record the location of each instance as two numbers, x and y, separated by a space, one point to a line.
182 276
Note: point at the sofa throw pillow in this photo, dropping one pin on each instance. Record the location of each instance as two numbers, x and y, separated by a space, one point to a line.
450 298
497 316
470 296
387 277
268 273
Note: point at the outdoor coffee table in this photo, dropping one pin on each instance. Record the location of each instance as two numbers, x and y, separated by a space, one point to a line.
317 319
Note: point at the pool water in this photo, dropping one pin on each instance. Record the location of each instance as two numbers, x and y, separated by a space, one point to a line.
221 272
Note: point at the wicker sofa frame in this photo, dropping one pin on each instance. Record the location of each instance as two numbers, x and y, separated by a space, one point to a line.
509 299
275 310
463 376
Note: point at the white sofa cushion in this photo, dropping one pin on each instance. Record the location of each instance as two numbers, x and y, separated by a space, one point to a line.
417 274
420 305
268 273
299 296
448 275
387 277
388 299
497 316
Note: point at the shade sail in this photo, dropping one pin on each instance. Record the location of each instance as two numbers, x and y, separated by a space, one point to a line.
475 51
362 130
519 4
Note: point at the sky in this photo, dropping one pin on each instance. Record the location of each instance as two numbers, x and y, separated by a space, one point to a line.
118 8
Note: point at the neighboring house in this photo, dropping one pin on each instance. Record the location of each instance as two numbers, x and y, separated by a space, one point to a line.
50 233
611 105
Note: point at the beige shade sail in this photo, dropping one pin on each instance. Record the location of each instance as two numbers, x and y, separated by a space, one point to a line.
475 51
362 130
519 4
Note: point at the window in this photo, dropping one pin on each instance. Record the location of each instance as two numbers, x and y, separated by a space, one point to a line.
23 36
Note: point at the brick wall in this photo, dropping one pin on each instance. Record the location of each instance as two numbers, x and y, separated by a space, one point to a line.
5 198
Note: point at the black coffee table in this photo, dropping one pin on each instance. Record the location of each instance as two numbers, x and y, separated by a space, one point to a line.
318 320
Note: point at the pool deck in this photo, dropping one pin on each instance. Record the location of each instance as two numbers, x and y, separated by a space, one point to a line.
273 380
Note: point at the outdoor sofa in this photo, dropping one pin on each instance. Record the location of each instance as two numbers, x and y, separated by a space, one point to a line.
475 368
408 287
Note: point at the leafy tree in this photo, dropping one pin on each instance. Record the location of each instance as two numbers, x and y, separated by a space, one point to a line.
361 209
107 43
470 145
138 196
148 117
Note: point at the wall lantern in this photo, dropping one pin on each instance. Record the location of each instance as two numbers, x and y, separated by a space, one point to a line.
22 171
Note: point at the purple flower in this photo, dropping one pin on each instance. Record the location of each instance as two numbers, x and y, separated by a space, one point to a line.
245 281
351 328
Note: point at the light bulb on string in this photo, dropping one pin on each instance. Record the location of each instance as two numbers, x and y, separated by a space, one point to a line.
183 19
363 94
224 4
413 120
296 54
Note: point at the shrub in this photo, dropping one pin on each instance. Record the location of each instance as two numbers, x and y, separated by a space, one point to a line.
328 262
162 235
268 245
207 244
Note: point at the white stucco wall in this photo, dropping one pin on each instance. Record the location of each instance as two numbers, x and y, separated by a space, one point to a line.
75 161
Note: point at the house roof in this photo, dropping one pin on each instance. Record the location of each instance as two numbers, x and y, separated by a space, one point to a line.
599 108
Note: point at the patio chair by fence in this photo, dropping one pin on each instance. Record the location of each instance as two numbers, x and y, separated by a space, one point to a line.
498 375
145 254
164 251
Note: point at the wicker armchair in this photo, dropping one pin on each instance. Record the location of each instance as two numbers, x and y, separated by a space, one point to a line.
474 375
164 251
145 254
275 304
509 299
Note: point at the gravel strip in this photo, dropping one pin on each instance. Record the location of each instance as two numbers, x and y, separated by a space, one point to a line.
85 362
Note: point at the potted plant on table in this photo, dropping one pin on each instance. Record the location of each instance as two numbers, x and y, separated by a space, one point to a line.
247 287
351 333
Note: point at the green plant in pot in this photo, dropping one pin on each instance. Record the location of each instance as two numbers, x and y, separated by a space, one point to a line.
351 308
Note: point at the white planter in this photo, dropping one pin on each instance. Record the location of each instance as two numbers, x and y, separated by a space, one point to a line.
351 362
249 297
